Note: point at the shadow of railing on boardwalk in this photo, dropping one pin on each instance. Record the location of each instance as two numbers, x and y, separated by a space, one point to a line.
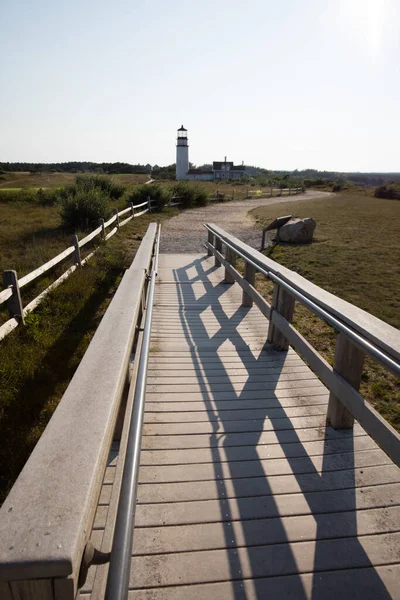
322 558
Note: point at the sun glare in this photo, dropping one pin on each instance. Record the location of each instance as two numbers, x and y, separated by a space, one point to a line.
368 20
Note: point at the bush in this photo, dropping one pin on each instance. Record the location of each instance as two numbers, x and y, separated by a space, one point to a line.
141 193
81 209
389 191
190 195
29 196
107 185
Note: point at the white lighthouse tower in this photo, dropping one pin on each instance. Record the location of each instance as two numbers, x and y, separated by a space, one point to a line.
182 154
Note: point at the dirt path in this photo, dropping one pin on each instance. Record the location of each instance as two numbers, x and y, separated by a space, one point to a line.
185 232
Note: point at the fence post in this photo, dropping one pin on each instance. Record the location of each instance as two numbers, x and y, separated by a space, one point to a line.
117 216
132 210
290 190
281 191
218 246
103 229
149 203
270 194
210 241
283 302
231 257
14 303
349 362
233 194
77 251
250 276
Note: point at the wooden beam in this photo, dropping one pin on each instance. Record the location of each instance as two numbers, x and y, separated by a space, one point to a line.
283 302
349 362
231 257
250 276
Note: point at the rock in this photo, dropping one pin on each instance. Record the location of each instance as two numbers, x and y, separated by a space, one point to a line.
297 231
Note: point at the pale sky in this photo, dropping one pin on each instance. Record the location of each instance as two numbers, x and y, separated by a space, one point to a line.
281 84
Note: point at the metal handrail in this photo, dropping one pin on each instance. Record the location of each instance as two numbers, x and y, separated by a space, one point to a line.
364 345
119 570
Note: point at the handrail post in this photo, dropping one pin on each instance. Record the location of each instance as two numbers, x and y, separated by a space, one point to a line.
210 241
103 229
250 276
349 362
117 216
283 302
149 203
14 303
218 246
77 251
231 257
132 210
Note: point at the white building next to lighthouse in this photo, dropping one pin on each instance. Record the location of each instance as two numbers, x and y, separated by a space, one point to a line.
220 170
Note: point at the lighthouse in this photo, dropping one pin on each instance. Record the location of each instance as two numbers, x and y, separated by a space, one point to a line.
182 154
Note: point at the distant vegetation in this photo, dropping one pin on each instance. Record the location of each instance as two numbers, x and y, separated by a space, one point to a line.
257 175
390 191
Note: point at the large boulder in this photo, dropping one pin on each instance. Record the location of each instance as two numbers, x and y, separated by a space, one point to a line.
297 231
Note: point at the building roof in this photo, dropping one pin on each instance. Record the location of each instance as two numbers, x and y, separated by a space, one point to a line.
199 172
217 164
181 128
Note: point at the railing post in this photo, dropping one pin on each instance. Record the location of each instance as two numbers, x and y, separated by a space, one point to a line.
117 216
250 276
290 190
231 257
77 251
283 302
103 229
149 203
349 362
14 303
218 246
270 194
132 210
210 241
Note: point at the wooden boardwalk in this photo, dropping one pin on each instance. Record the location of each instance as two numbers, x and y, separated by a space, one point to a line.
243 492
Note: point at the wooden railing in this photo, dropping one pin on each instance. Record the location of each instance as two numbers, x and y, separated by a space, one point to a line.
359 334
12 292
46 520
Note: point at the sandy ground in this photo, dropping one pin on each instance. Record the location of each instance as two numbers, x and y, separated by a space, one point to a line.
185 232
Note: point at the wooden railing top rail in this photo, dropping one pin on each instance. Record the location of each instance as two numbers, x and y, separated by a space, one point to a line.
46 520
378 332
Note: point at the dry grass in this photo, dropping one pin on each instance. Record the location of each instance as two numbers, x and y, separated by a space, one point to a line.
24 180
355 255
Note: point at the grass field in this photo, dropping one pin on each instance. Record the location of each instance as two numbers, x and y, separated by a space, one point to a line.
26 180
355 255
38 360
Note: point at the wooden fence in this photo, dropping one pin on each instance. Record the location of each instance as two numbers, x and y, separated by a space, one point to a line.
12 292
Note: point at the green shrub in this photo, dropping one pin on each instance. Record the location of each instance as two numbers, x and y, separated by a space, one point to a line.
29 196
389 191
81 209
190 195
154 191
109 186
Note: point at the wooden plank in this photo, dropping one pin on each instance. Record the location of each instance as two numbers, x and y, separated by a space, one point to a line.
260 486
251 452
310 464
363 583
263 561
210 414
311 388
42 589
181 442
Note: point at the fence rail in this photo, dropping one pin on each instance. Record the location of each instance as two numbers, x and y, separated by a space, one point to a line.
359 334
13 284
